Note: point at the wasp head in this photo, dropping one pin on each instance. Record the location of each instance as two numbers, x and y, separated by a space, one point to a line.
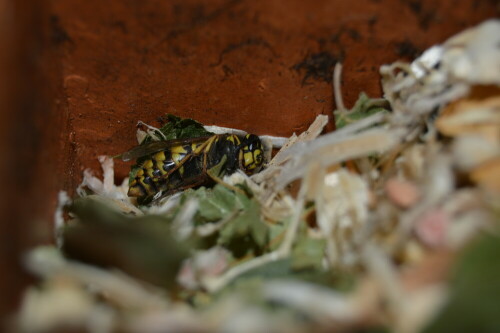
251 155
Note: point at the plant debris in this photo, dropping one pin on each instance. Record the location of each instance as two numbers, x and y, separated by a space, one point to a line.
393 223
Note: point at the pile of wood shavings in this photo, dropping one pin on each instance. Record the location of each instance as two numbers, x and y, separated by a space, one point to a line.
394 198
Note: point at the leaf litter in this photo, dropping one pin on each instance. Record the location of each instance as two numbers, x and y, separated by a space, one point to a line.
394 225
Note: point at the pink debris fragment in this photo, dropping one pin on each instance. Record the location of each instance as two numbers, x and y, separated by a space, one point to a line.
431 228
402 193
186 276
207 263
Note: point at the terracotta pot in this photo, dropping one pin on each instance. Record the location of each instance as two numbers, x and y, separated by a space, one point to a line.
78 75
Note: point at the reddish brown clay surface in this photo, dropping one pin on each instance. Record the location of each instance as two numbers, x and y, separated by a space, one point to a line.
262 66
89 70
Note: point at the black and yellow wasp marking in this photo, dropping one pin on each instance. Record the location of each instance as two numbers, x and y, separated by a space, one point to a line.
179 164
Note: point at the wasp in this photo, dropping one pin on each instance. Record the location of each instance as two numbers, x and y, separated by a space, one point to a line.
179 164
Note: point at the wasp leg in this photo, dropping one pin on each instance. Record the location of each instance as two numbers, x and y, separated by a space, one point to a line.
214 173
198 181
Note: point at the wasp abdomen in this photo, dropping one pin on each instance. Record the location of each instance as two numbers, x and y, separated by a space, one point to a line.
165 170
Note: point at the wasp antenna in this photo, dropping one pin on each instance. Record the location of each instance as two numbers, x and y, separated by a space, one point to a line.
116 156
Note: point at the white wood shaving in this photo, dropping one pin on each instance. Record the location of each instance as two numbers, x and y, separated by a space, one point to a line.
62 200
183 222
322 304
126 291
337 92
341 149
277 142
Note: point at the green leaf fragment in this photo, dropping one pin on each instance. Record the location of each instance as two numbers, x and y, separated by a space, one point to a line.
277 233
220 203
246 223
474 303
284 269
251 218
274 270
218 170
180 128
364 107
215 204
244 186
308 253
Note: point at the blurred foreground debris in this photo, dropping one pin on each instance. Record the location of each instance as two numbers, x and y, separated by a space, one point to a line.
394 225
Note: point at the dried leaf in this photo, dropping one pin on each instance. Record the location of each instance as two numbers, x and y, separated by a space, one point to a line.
487 174
466 116
403 193
141 246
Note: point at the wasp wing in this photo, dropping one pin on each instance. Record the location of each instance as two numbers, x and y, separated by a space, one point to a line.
154 147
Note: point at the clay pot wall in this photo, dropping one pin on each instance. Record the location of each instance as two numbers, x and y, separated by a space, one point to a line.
76 76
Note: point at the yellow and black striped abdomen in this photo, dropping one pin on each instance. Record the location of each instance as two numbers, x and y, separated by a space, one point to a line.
166 170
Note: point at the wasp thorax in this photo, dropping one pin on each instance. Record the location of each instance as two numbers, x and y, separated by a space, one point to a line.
251 155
